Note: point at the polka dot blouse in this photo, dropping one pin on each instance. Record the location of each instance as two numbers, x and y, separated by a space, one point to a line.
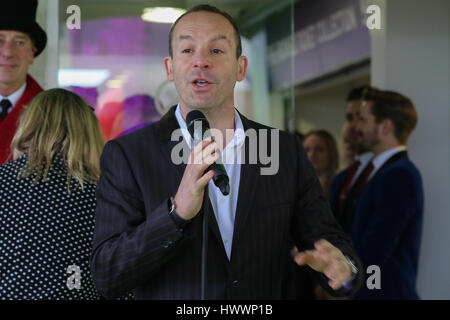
45 235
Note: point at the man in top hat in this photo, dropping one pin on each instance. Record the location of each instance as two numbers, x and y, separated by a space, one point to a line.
21 40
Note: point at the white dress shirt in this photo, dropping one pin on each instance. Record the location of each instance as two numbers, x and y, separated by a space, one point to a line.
15 96
224 206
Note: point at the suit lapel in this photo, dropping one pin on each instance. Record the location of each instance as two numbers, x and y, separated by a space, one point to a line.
165 128
212 223
247 189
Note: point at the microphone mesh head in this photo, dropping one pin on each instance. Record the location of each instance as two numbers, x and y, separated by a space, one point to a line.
194 115
197 125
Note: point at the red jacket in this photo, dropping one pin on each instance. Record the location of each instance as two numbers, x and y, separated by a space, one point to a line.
8 126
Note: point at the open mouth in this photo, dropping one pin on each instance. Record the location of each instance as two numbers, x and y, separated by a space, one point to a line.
201 83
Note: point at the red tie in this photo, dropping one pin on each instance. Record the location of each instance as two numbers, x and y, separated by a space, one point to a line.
365 177
352 171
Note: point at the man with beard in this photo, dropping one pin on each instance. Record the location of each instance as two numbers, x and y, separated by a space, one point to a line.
344 191
347 185
387 225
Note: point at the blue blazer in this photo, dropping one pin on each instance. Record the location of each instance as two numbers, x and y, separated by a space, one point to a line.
386 229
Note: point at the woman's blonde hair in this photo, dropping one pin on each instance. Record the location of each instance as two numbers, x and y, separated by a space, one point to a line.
58 121
333 155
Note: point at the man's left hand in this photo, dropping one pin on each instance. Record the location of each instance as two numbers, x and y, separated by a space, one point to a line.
327 259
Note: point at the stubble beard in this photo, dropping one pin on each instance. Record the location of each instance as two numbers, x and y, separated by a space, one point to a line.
372 141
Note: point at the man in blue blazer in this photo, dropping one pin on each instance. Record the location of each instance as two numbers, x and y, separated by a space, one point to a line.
148 222
387 225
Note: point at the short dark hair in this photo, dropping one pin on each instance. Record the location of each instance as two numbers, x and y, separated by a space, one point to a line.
356 93
208 8
395 106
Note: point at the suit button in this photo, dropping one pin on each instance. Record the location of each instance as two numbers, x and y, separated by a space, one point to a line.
167 243
235 282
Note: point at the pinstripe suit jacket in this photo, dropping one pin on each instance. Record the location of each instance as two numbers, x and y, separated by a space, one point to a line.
138 247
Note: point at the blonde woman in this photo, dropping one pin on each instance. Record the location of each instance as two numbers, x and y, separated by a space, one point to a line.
321 148
47 200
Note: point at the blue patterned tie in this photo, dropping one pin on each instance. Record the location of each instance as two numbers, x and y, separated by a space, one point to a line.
5 105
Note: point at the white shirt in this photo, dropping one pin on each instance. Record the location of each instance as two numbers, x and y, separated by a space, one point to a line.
15 96
364 160
381 159
224 206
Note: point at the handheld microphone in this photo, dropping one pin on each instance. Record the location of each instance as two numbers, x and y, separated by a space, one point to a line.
197 126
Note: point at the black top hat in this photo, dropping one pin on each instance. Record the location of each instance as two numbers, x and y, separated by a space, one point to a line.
20 15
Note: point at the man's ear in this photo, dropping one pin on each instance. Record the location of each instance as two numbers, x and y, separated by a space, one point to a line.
168 67
242 68
387 126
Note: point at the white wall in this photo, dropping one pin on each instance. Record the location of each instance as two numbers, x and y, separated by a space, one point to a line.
411 55
45 67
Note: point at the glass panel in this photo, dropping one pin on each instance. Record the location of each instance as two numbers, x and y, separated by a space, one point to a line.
115 62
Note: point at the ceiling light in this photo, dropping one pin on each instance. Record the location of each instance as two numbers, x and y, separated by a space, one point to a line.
162 14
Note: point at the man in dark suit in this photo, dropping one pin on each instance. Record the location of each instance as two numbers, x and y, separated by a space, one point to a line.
344 191
347 186
150 206
386 229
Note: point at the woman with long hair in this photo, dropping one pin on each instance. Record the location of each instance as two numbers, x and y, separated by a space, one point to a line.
47 200
322 152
